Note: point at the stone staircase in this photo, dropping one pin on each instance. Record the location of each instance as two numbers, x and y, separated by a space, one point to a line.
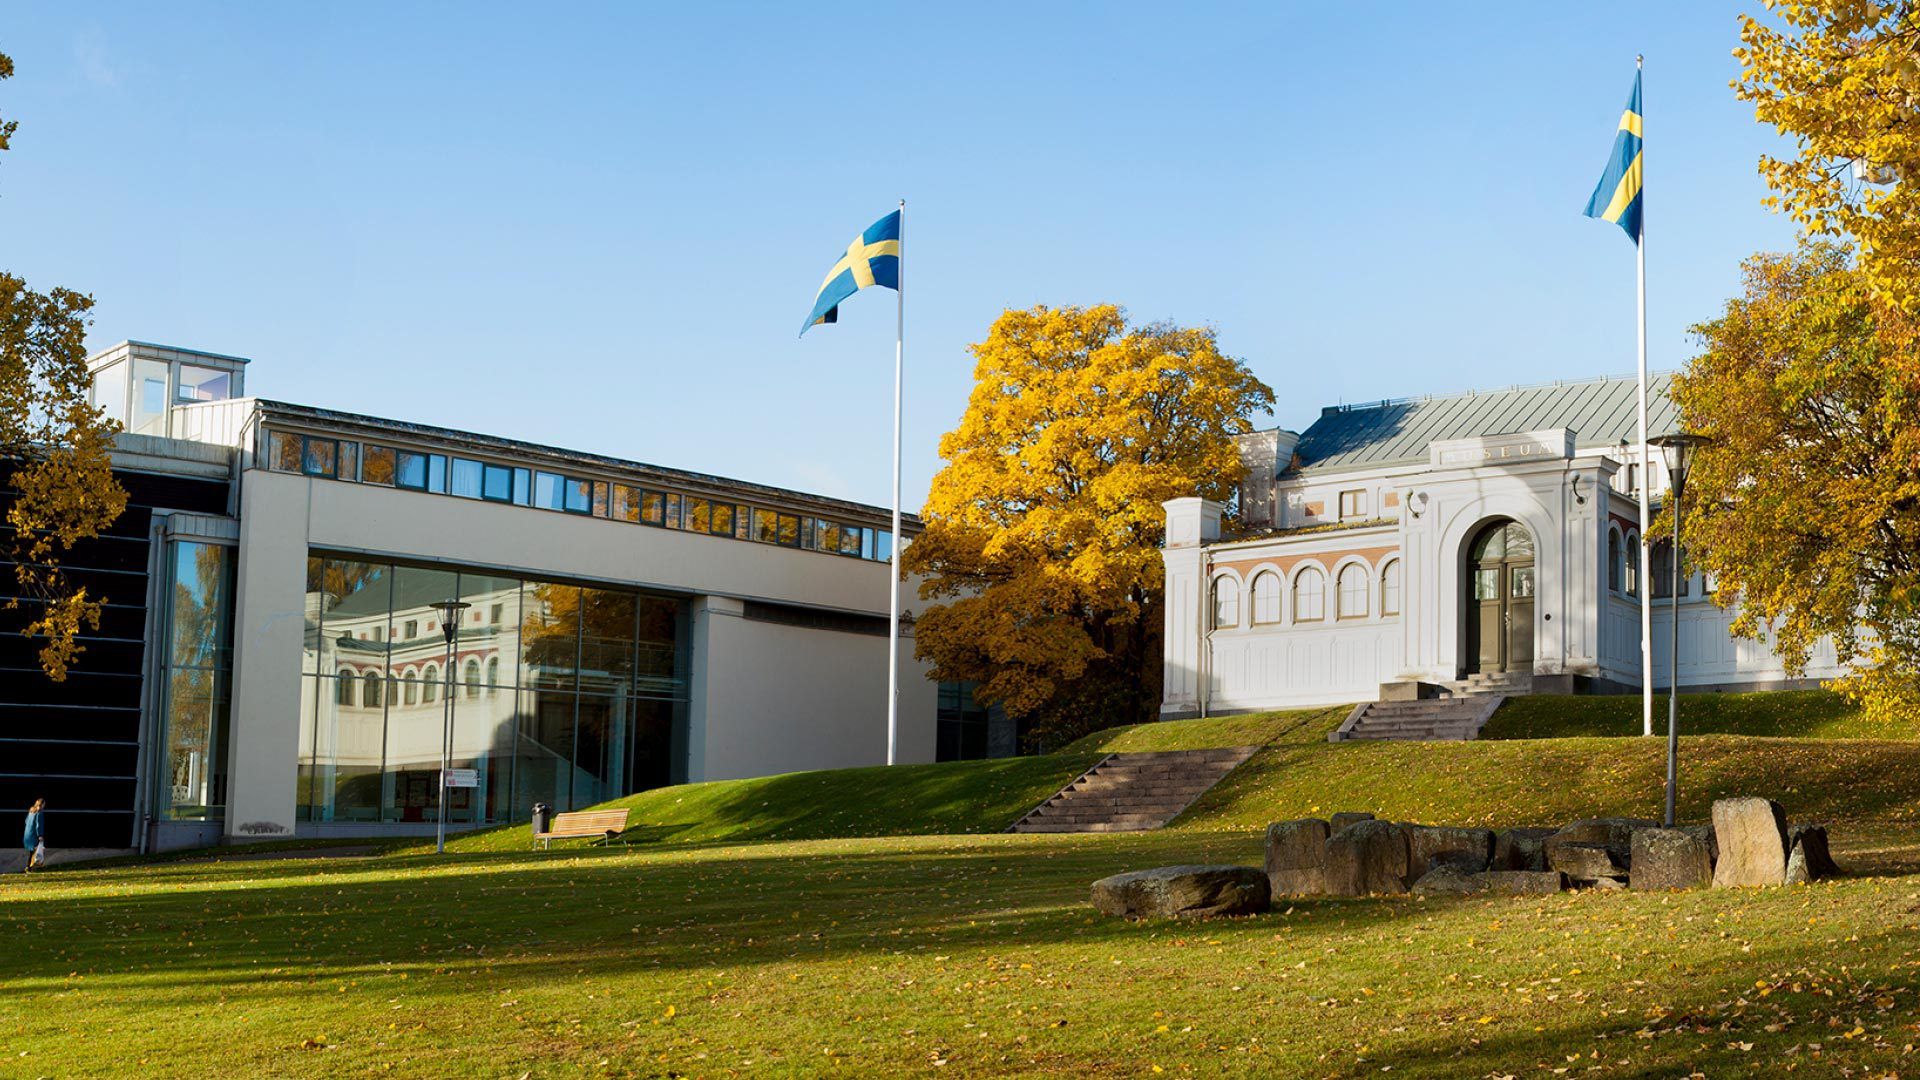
1456 718
1504 683
1133 792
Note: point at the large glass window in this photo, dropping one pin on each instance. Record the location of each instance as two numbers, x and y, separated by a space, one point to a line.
110 391
380 465
149 398
559 694
203 384
199 666
469 478
413 470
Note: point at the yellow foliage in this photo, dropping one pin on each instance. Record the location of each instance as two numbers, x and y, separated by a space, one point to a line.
1806 504
58 448
1841 80
1044 528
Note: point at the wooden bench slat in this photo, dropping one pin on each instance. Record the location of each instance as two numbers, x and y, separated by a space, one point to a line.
582 823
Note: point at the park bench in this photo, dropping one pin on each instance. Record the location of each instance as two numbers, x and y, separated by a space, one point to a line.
605 824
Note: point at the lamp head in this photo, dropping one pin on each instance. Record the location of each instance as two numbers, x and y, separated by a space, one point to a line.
450 615
1678 449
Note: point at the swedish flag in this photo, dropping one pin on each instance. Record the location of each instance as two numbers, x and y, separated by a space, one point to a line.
872 259
1617 198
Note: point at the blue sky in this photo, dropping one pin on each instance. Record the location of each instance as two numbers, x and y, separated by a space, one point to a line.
600 226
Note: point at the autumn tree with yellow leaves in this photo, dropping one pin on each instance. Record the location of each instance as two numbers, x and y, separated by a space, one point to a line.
1806 504
1043 530
1841 79
57 447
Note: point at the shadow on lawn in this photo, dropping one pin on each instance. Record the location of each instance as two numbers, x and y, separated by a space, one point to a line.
540 917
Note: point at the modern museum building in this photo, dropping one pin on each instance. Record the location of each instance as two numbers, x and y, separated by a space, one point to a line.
283 649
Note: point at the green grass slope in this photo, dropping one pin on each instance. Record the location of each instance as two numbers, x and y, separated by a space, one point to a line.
1810 714
1549 781
1251 729
951 797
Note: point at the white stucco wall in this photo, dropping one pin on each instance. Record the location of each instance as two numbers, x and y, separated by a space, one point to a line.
766 697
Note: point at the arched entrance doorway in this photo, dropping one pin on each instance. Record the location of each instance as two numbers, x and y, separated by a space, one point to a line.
1499 601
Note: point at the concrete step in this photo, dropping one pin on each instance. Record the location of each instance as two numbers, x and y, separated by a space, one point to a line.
1451 719
1133 791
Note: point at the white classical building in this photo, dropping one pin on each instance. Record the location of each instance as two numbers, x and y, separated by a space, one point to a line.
1478 540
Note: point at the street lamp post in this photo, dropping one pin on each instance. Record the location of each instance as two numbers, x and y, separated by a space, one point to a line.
1678 450
449 625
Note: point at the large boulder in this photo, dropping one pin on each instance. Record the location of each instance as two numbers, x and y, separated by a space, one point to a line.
1584 862
1349 817
1429 846
1752 833
1367 857
1704 834
1183 892
1521 882
1521 849
1614 834
1448 881
1670 859
1808 857
1297 857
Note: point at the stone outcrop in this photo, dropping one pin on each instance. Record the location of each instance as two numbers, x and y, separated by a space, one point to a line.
1448 881
1297 857
1367 857
1429 846
1183 892
1584 862
1614 834
1752 834
1669 859
1808 858
1521 849
1346 818
1522 882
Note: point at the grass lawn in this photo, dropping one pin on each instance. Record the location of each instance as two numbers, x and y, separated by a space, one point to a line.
1807 714
737 938
964 956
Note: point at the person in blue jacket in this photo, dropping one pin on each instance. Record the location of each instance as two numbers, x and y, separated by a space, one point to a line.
36 835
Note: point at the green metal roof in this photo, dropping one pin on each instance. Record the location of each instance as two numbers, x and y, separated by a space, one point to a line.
1600 412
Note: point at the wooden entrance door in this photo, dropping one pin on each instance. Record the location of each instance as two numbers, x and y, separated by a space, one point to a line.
1500 587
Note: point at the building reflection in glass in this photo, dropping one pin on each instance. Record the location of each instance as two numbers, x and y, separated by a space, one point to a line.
561 694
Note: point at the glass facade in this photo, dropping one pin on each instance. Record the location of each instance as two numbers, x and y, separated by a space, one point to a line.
558 693
199 665
472 478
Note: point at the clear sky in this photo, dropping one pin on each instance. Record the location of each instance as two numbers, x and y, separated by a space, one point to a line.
600 225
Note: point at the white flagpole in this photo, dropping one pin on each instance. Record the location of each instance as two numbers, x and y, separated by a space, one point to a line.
893 587
1646 476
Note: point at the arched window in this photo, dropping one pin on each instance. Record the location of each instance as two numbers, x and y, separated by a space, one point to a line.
1226 603
1632 543
430 684
1309 595
493 672
1390 588
1266 598
1616 566
1662 569
473 678
1352 591
370 690
412 685
343 688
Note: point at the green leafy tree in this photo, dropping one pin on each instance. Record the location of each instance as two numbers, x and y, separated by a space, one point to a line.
58 447
1043 530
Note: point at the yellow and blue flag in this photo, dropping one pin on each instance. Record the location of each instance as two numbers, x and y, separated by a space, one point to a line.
872 259
1618 197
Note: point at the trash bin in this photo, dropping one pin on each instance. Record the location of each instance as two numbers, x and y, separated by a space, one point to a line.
542 817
